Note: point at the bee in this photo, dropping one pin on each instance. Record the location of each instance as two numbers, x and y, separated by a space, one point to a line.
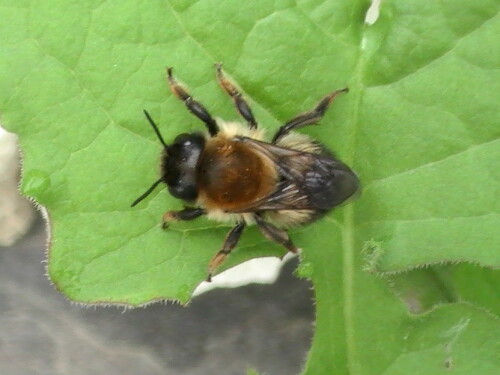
232 174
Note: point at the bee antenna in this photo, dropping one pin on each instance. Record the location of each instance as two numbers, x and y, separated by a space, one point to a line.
149 191
155 127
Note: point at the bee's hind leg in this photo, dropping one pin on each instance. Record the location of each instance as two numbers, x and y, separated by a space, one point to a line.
188 213
275 234
230 243
240 102
307 118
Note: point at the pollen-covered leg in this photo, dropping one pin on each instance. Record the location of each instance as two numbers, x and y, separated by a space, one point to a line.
188 213
229 244
275 234
308 118
195 107
240 103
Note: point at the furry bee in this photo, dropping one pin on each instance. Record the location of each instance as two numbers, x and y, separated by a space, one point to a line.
231 174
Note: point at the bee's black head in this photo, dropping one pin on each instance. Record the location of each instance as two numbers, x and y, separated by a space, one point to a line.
178 165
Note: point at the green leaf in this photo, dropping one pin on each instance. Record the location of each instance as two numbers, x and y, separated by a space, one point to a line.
454 339
420 126
477 285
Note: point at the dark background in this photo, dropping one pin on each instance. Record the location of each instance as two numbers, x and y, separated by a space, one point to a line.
225 331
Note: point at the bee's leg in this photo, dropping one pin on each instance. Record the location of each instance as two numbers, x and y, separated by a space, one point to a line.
275 234
188 213
195 107
307 118
231 241
240 103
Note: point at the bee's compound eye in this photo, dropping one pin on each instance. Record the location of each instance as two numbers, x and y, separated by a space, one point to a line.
183 139
174 149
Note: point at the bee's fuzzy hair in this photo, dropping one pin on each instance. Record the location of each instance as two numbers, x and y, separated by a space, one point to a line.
231 129
295 141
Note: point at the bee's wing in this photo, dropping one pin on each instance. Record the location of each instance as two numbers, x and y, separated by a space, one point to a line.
309 181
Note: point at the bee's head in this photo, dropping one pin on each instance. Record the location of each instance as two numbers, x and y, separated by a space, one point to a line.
178 164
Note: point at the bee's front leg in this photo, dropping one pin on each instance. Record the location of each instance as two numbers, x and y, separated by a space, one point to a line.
188 213
195 107
239 101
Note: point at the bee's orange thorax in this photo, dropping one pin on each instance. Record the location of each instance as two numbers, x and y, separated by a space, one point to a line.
231 175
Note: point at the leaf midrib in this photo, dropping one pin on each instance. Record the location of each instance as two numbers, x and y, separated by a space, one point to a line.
348 246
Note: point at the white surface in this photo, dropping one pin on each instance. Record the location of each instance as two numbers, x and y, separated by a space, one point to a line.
16 212
373 12
260 270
